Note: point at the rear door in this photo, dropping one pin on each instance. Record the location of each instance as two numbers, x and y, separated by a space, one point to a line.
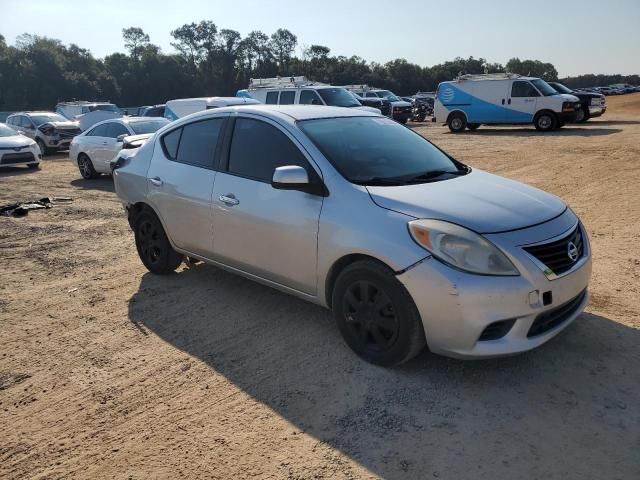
258 229
522 101
181 178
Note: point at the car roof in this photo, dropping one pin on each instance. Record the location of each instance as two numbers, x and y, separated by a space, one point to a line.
288 113
137 119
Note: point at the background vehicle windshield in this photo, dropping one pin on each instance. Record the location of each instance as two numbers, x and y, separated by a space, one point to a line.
388 95
6 131
148 126
546 89
48 117
366 148
338 97
561 88
105 107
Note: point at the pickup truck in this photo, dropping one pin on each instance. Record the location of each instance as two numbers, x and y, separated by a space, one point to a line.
592 103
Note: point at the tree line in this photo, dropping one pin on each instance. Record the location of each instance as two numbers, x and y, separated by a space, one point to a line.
37 71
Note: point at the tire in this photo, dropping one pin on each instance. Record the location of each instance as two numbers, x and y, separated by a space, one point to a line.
376 315
33 166
403 120
86 167
153 246
586 115
43 148
457 122
473 126
560 125
422 117
545 121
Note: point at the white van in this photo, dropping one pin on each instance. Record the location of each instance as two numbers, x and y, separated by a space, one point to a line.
182 107
503 98
300 90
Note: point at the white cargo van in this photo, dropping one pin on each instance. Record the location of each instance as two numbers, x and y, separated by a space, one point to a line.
503 98
182 107
300 90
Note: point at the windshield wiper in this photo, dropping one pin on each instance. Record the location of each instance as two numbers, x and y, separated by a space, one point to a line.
433 174
380 181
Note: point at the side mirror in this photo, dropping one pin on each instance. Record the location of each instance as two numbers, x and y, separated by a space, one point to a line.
120 138
294 177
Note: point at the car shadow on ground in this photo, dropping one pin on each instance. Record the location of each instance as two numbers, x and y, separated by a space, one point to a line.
103 183
567 131
431 417
597 122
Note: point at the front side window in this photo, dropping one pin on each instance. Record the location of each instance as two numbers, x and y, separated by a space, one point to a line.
258 148
377 151
287 98
309 97
194 143
25 122
272 98
371 95
523 89
388 95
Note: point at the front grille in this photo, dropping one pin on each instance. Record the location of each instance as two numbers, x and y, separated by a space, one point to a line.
496 330
552 318
555 255
17 158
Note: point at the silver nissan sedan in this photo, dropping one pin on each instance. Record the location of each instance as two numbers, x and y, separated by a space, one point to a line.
350 210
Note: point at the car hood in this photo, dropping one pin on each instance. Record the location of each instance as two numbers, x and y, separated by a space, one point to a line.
480 201
367 109
569 98
63 125
401 103
15 141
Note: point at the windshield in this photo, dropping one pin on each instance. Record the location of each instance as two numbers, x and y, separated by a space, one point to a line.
375 151
6 131
47 117
561 88
388 95
148 126
105 107
338 97
546 89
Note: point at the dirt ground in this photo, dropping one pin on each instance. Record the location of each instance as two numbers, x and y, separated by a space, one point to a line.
107 371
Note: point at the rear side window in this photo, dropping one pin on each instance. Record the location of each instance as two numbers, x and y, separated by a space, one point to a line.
309 97
114 130
257 148
287 98
272 98
194 143
523 89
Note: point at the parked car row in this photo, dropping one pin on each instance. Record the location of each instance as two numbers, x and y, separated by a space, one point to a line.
616 89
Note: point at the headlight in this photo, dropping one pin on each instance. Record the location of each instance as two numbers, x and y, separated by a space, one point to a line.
460 248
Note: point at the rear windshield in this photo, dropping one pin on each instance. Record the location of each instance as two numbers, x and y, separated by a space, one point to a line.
148 126
367 150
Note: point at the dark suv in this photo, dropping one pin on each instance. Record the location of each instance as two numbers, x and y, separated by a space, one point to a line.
592 103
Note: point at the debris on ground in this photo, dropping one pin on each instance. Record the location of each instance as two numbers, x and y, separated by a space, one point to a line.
21 209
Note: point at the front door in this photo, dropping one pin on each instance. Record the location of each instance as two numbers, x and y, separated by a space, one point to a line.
180 181
522 101
258 229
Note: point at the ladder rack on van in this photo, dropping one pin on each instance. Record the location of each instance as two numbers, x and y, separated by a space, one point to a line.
488 76
280 82
363 87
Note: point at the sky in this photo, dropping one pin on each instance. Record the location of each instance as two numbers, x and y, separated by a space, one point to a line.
576 36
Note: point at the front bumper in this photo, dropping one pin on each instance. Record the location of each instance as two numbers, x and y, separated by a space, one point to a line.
596 111
568 117
456 307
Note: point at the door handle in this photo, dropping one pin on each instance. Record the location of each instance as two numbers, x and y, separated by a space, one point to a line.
509 101
156 181
229 199
503 101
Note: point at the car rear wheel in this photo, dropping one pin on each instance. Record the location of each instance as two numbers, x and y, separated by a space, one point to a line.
86 167
457 122
376 315
545 122
43 148
153 246
33 166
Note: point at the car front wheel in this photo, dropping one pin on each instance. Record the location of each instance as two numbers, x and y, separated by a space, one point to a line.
376 315
153 246
545 122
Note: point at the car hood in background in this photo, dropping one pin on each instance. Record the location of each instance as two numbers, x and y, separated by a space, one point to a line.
15 141
135 141
569 98
480 201
62 125
89 119
367 109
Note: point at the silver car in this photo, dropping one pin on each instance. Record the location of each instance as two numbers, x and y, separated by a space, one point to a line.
51 131
359 214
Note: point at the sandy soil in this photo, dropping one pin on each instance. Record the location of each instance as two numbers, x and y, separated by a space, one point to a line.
107 371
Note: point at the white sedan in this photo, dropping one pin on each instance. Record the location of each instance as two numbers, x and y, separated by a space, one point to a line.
93 150
17 149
